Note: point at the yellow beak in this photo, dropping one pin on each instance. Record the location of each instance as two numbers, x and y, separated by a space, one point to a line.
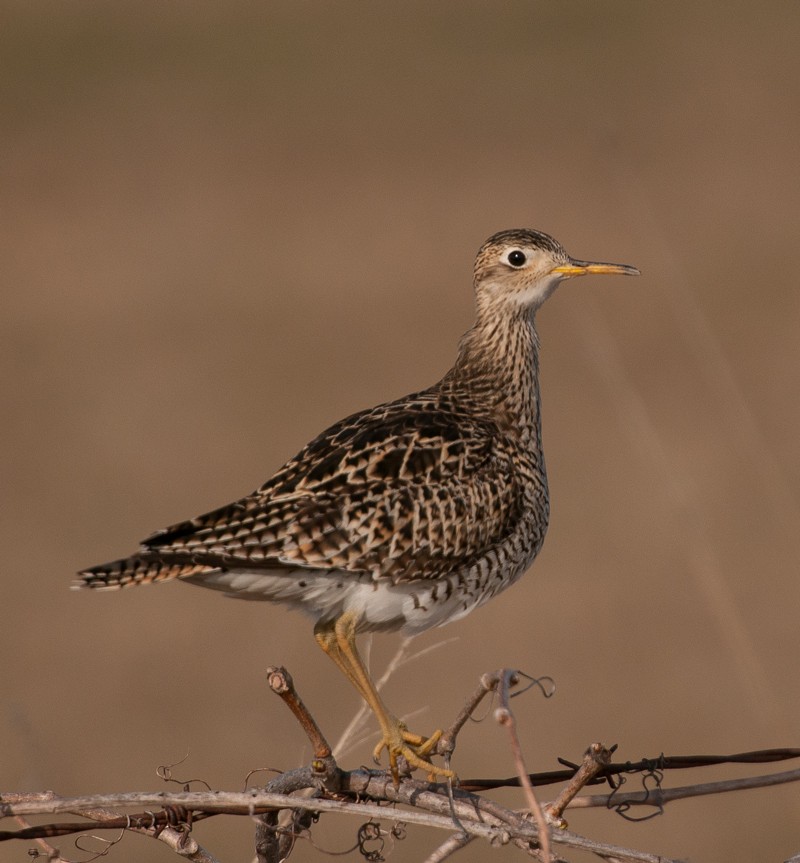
585 268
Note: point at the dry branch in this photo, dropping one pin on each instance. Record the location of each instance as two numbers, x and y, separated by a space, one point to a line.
288 804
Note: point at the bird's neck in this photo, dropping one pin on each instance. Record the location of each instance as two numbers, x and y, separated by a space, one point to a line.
498 367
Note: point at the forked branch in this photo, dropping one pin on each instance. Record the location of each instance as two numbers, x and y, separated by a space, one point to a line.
289 803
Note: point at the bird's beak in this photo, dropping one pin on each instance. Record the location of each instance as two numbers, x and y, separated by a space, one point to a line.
585 268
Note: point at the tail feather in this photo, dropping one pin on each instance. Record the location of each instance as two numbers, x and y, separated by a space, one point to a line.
138 569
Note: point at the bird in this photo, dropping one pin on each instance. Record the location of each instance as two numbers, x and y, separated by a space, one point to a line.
404 516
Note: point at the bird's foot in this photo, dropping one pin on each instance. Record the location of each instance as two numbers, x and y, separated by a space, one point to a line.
399 741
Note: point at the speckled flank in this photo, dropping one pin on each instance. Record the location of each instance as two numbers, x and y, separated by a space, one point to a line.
409 514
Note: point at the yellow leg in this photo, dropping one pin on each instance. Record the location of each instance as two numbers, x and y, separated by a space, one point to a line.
338 640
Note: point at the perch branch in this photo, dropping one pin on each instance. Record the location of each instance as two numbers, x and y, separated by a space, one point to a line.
480 818
323 787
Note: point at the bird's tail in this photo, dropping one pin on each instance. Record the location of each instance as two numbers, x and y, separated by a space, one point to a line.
141 568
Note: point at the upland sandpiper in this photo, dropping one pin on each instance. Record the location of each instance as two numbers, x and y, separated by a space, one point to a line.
404 516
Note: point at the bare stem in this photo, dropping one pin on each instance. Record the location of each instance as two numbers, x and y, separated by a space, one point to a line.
488 683
596 758
503 714
53 854
281 683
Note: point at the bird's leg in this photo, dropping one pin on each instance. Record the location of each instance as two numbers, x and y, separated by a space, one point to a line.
325 633
338 640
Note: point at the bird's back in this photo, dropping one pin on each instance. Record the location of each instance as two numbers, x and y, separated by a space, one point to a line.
421 489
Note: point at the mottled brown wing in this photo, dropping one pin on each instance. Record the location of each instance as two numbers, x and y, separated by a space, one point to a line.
408 490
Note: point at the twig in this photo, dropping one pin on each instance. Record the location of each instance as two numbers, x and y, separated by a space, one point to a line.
503 714
447 742
53 854
272 842
281 683
596 758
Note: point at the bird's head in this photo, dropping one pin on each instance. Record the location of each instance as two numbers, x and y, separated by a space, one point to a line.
520 268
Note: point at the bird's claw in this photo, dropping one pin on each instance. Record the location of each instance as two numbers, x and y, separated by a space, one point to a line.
400 742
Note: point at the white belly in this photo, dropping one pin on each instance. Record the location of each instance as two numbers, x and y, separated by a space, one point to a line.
411 607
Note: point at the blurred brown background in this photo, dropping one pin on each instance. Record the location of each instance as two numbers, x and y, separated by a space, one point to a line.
228 225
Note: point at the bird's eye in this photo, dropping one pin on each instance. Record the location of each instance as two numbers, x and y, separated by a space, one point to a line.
516 258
